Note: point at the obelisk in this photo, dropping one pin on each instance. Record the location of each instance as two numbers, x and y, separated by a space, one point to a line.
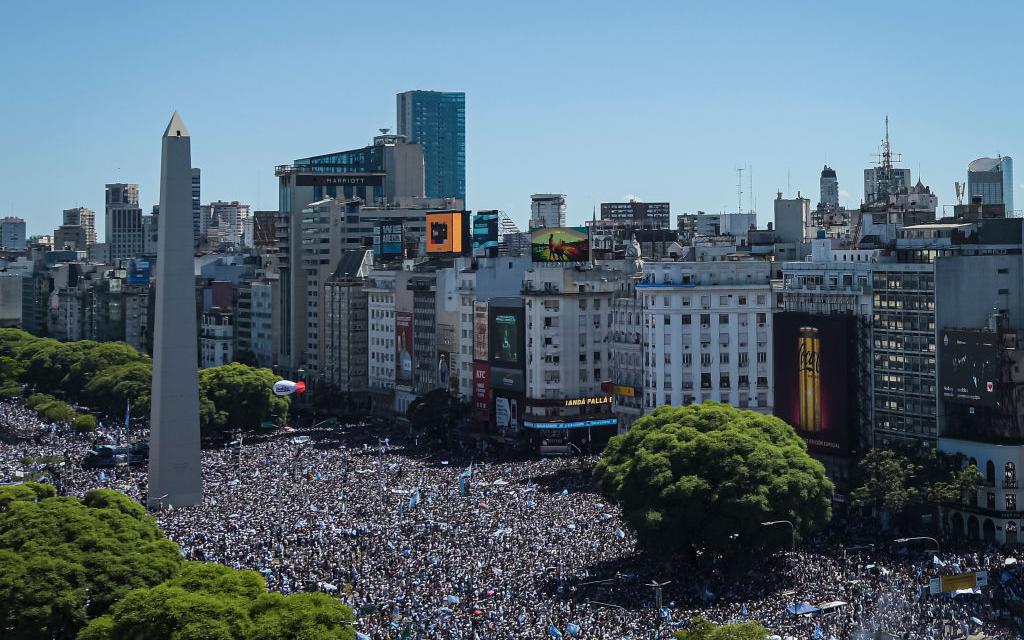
175 470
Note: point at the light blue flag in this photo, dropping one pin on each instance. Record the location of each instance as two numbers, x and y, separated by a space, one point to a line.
573 629
554 632
414 499
127 413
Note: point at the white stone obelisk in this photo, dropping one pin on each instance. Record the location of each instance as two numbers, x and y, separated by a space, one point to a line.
175 469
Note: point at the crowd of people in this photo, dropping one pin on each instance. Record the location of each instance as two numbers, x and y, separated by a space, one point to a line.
429 543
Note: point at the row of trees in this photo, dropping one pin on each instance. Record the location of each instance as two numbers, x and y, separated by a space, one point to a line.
107 376
100 569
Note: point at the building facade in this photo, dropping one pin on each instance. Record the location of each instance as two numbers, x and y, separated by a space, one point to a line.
124 233
992 179
12 233
437 120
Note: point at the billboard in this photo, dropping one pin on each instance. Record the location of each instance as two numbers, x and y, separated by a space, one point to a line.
482 394
508 411
485 233
813 357
389 240
506 336
970 368
403 348
654 212
560 244
444 232
443 378
338 180
480 331
139 271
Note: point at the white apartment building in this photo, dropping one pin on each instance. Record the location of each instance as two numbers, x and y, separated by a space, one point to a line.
380 291
216 339
708 333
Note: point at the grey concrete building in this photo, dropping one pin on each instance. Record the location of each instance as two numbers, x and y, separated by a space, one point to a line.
124 233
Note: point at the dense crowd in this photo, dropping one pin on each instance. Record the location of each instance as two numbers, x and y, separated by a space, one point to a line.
429 544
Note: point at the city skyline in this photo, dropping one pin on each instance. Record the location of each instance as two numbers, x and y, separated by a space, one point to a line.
660 117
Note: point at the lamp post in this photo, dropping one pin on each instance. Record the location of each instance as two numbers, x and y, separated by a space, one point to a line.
792 531
916 538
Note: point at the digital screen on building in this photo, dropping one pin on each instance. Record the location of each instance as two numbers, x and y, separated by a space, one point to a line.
485 234
560 244
480 331
139 271
813 360
970 367
389 240
403 348
508 411
444 232
506 337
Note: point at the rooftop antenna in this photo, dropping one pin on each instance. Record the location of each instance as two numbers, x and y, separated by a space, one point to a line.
739 189
750 192
958 187
789 189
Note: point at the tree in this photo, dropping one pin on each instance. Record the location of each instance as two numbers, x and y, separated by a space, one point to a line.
435 412
84 423
111 390
961 484
704 630
237 396
886 482
213 602
704 478
63 561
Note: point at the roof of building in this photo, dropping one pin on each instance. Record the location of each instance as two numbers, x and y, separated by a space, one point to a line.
828 172
350 263
985 164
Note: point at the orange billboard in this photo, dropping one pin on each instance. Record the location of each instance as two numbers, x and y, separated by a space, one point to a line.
444 232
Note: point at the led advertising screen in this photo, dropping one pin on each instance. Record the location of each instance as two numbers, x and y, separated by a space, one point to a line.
508 411
444 232
813 357
480 330
389 240
506 336
485 234
969 367
560 244
139 271
403 348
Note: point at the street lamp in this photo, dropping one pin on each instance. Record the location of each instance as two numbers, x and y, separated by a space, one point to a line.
792 531
654 584
916 538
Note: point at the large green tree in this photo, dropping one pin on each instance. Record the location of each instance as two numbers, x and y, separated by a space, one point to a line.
435 412
213 602
63 561
704 478
237 396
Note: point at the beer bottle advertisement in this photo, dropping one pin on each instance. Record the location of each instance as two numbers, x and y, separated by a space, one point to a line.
813 365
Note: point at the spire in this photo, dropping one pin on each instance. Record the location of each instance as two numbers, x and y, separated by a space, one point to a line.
176 128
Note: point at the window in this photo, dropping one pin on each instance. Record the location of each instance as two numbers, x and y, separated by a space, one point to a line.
1011 502
744 358
723 318
723 358
705 319
762 381
705 359
705 381
762 356
723 381
743 300
723 300
762 318
687 318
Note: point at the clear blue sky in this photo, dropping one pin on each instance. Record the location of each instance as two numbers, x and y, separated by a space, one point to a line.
597 100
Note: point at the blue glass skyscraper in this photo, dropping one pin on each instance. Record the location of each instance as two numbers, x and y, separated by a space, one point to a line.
437 120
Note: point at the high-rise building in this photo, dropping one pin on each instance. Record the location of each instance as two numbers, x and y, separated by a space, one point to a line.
196 199
175 471
992 179
85 218
547 210
124 233
437 120
829 189
12 233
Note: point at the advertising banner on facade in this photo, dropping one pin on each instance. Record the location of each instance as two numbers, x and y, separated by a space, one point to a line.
508 411
389 240
813 361
482 394
560 244
970 368
480 345
444 232
403 348
139 271
485 234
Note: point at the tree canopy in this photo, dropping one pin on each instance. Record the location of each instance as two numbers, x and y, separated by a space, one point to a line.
435 412
108 376
213 602
705 477
63 561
